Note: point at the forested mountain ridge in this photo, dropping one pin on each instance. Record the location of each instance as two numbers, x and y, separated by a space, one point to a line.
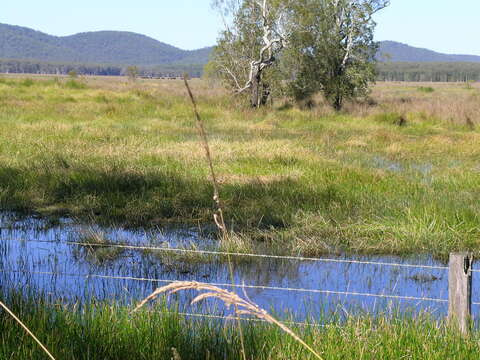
392 51
127 48
100 47
23 50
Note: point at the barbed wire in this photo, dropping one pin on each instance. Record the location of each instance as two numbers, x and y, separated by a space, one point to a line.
237 254
243 286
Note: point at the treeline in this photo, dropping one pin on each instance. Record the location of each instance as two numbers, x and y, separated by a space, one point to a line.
386 71
428 71
36 67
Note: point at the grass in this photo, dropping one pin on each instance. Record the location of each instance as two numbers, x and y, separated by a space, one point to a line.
106 331
426 89
99 252
397 175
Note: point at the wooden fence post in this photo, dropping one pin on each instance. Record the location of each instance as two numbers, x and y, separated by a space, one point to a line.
460 291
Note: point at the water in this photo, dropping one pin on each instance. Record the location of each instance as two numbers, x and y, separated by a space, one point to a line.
35 256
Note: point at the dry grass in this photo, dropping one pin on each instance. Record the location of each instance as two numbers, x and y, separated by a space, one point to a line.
456 103
242 306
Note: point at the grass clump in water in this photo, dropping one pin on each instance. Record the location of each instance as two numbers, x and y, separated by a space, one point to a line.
96 247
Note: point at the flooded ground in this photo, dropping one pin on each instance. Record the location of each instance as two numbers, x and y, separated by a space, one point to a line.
39 256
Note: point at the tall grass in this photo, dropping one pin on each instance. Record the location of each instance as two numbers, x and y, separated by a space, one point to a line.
242 306
27 330
109 332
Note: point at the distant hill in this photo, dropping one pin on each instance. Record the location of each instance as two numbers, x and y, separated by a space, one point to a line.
127 48
25 50
101 47
391 51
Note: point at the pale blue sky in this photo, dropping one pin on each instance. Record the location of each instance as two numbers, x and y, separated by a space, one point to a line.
443 25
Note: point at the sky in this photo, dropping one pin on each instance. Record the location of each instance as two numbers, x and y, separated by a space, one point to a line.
442 25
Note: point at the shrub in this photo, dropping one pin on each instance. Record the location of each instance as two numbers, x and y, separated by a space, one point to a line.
73 84
426 89
27 82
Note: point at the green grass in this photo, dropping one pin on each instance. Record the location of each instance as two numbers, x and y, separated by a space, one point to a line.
300 181
110 332
426 89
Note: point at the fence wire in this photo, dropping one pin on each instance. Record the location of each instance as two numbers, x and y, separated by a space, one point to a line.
243 286
236 254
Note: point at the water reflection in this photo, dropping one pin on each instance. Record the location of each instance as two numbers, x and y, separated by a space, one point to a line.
35 254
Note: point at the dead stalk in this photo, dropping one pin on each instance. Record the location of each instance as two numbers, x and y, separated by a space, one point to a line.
218 216
26 329
242 306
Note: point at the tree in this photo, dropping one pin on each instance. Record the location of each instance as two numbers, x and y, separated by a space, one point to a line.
249 46
132 73
331 48
310 45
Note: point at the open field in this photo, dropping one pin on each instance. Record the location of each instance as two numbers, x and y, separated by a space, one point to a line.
397 174
102 331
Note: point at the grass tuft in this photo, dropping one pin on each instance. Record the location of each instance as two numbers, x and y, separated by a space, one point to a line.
426 89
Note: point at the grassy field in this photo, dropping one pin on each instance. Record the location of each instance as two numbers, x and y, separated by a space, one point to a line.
109 332
399 173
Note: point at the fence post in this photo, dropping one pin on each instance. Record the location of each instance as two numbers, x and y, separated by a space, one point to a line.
460 291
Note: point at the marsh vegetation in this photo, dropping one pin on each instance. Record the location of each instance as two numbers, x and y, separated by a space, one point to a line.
105 331
398 174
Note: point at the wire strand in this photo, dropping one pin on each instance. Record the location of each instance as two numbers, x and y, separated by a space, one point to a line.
222 317
223 253
315 291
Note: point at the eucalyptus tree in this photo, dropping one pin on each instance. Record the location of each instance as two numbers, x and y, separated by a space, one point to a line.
250 45
331 48
309 45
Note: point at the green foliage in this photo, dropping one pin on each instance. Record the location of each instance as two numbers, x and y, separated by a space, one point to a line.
289 177
74 84
34 67
331 49
108 331
391 118
107 47
428 71
132 73
73 74
239 45
426 89
27 82
392 51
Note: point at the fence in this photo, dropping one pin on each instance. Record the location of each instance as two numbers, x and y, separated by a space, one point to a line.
459 284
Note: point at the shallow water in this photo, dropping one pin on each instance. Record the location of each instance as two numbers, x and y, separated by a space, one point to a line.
36 255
